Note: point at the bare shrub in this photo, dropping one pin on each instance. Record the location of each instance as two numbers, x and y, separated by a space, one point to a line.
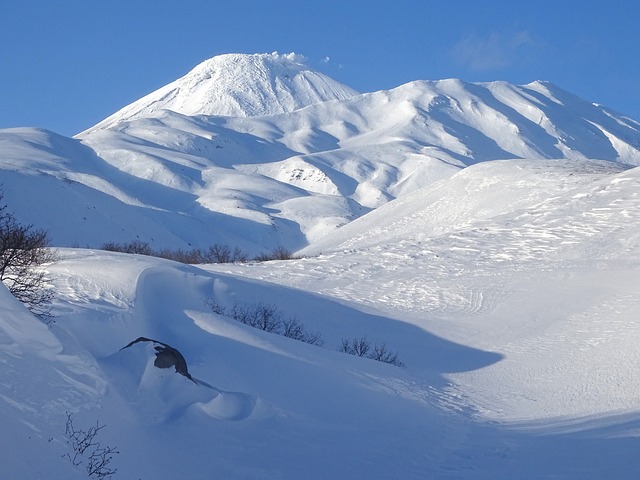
357 346
293 328
262 316
361 347
278 253
85 449
23 252
267 317
223 254
214 254
382 354
313 338
215 307
190 257
135 247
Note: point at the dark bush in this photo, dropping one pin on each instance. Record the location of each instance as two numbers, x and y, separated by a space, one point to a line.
86 450
134 247
23 252
358 346
293 328
361 347
190 257
267 317
382 354
223 254
262 316
278 253
214 254
215 307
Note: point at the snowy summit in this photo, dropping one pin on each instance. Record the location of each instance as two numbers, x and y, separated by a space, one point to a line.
239 85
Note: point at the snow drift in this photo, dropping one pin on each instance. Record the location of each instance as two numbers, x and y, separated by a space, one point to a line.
515 322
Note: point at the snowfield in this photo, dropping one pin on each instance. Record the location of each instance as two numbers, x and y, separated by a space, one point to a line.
517 330
488 234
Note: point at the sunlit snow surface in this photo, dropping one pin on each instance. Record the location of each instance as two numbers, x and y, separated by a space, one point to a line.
178 180
516 319
487 233
238 85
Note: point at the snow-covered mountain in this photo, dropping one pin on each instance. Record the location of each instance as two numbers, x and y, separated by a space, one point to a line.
487 233
316 157
238 86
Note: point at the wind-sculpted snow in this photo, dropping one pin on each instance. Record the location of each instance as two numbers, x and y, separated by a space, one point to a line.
253 391
532 259
42 377
509 290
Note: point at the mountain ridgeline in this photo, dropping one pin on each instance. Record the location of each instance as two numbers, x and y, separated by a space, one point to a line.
259 151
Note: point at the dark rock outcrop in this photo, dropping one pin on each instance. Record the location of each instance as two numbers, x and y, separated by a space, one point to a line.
166 356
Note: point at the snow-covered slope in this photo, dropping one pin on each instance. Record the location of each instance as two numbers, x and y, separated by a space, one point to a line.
474 195
487 233
516 321
539 265
238 86
176 180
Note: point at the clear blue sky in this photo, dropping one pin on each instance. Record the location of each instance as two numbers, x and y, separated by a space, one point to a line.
67 64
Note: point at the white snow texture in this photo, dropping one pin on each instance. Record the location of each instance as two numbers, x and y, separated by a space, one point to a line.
487 233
